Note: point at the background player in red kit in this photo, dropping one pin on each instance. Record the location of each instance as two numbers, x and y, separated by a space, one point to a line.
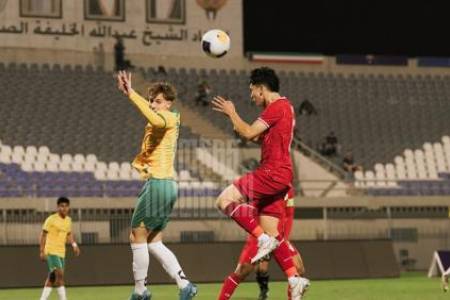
272 179
285 215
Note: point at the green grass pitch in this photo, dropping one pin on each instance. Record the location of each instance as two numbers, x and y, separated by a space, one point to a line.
412 286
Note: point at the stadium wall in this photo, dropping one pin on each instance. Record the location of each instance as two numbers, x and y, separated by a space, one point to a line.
209 262
145 27
417 225
77 37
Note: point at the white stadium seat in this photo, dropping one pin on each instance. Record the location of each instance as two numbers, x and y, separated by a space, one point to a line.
39 167
5 158
101 166
79 158
19 150
66 158
100 174
17 157
114 166
135 175
64 166
27 166
89 166
44 150
77 166
125 174
31 150
125 166
6 150
52 166
54 158
112 174
91 158
369 175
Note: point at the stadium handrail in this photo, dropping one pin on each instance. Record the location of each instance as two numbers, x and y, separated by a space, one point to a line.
320 159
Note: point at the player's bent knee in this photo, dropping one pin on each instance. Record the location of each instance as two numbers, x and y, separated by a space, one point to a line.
132 239
222 203
59 274
263 266
243 270
52 277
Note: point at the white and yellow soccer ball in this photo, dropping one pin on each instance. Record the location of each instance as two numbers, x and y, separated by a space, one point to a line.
216 43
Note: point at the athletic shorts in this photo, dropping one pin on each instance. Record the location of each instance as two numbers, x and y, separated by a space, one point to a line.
257 186
154 205
55 262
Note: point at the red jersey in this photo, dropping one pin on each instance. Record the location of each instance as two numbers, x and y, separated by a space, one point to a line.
276 161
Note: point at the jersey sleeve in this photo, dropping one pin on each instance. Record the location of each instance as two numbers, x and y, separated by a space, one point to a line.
171 119
271 115
47 224
154 118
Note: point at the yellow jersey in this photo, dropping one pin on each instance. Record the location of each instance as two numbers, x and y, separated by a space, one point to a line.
57 229
157 156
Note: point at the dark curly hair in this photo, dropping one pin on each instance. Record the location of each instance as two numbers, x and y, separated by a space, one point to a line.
267 77
63 200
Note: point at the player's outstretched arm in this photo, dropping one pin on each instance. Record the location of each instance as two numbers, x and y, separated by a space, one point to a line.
75 247
124 85
244 129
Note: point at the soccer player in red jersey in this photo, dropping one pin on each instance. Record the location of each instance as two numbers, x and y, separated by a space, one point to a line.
272 179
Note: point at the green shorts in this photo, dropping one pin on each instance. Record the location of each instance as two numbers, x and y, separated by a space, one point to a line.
154 205
55 262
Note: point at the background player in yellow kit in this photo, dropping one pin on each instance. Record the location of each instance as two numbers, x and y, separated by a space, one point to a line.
57 230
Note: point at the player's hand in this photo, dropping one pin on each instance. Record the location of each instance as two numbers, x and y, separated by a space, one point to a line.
224 106
42 256
76 250
124 82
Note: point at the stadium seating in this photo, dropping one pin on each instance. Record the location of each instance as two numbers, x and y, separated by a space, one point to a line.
423 171
70 110
89 127
374 116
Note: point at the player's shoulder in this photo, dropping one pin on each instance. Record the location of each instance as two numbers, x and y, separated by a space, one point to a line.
52 216
170 114
281 103
285 102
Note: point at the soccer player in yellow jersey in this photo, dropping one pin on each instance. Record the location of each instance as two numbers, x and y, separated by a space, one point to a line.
57 230
155 163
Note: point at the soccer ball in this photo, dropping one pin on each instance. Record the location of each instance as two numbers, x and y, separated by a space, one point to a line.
216 43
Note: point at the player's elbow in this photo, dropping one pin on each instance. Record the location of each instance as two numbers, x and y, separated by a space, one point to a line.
157 123
249 135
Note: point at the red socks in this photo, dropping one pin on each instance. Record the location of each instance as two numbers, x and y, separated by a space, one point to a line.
228 287
283 257
245 215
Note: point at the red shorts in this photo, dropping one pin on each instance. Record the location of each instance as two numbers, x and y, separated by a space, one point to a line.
259 187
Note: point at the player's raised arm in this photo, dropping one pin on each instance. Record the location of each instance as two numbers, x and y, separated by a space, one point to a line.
244 129
124 85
